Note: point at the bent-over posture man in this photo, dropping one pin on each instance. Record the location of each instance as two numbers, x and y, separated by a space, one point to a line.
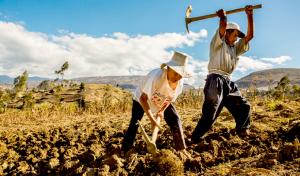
154 96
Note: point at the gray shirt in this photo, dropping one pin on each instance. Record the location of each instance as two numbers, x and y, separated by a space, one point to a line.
224 58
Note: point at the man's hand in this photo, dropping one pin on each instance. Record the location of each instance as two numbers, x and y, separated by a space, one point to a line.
249 9
160 114
221 13
153 120
250 31
223 22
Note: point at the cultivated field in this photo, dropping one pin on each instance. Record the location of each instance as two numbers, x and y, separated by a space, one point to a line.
58 134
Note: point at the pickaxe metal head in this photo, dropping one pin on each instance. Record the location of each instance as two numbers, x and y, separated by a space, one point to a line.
187 19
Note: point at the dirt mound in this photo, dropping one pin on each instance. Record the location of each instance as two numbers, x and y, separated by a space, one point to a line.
167 163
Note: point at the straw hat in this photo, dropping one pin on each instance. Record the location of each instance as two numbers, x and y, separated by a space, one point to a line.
178 63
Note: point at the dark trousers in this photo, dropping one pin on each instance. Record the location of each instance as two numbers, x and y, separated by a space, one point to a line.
220 92
170 116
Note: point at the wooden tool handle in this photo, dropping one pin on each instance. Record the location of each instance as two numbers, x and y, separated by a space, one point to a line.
146 137
243 9
227 12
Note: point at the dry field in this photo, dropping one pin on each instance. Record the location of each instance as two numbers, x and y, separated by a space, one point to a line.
63 139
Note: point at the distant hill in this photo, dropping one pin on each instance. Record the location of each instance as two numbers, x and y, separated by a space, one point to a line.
126 82
269 77
263 79
4 79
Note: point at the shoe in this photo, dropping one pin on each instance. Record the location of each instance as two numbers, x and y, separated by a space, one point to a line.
243 132
196 141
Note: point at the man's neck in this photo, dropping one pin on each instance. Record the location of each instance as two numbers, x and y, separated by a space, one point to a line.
228 43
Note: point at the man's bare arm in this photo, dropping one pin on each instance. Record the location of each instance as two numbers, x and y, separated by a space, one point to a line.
223 22
146 108
250 30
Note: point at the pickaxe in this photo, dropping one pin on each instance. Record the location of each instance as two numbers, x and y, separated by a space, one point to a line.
189 19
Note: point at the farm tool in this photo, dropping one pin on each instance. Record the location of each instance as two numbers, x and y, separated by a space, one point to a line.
189 19
151 146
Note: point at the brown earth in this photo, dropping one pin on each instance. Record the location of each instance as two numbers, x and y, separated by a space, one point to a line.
56 141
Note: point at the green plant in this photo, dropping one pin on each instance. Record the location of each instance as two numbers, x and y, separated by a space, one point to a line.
20 83
29 100
282 87
63 68
274 105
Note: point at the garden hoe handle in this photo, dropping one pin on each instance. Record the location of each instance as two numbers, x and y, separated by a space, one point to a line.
151 147
146 137
189 19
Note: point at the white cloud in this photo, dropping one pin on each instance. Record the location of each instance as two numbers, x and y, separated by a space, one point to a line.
277 60
116 54
246 64
199 70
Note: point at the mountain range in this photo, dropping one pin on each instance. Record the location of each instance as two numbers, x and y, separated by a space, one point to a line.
261 79
270 77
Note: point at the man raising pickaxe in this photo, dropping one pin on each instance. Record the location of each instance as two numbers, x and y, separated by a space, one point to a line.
219 90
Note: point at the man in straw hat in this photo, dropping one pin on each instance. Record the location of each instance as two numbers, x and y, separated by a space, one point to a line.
154 96
219 90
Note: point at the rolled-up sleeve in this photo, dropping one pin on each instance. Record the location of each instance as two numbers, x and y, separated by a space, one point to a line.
216 41
241 47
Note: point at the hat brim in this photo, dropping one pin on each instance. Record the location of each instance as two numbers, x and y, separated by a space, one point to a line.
241 34
181 70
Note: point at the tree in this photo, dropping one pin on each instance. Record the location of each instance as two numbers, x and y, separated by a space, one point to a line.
82 87
283 86
20 83
63 68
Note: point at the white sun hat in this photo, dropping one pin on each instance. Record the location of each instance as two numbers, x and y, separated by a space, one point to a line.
178 63
233 25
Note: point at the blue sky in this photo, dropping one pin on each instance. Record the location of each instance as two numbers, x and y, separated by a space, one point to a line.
68 28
